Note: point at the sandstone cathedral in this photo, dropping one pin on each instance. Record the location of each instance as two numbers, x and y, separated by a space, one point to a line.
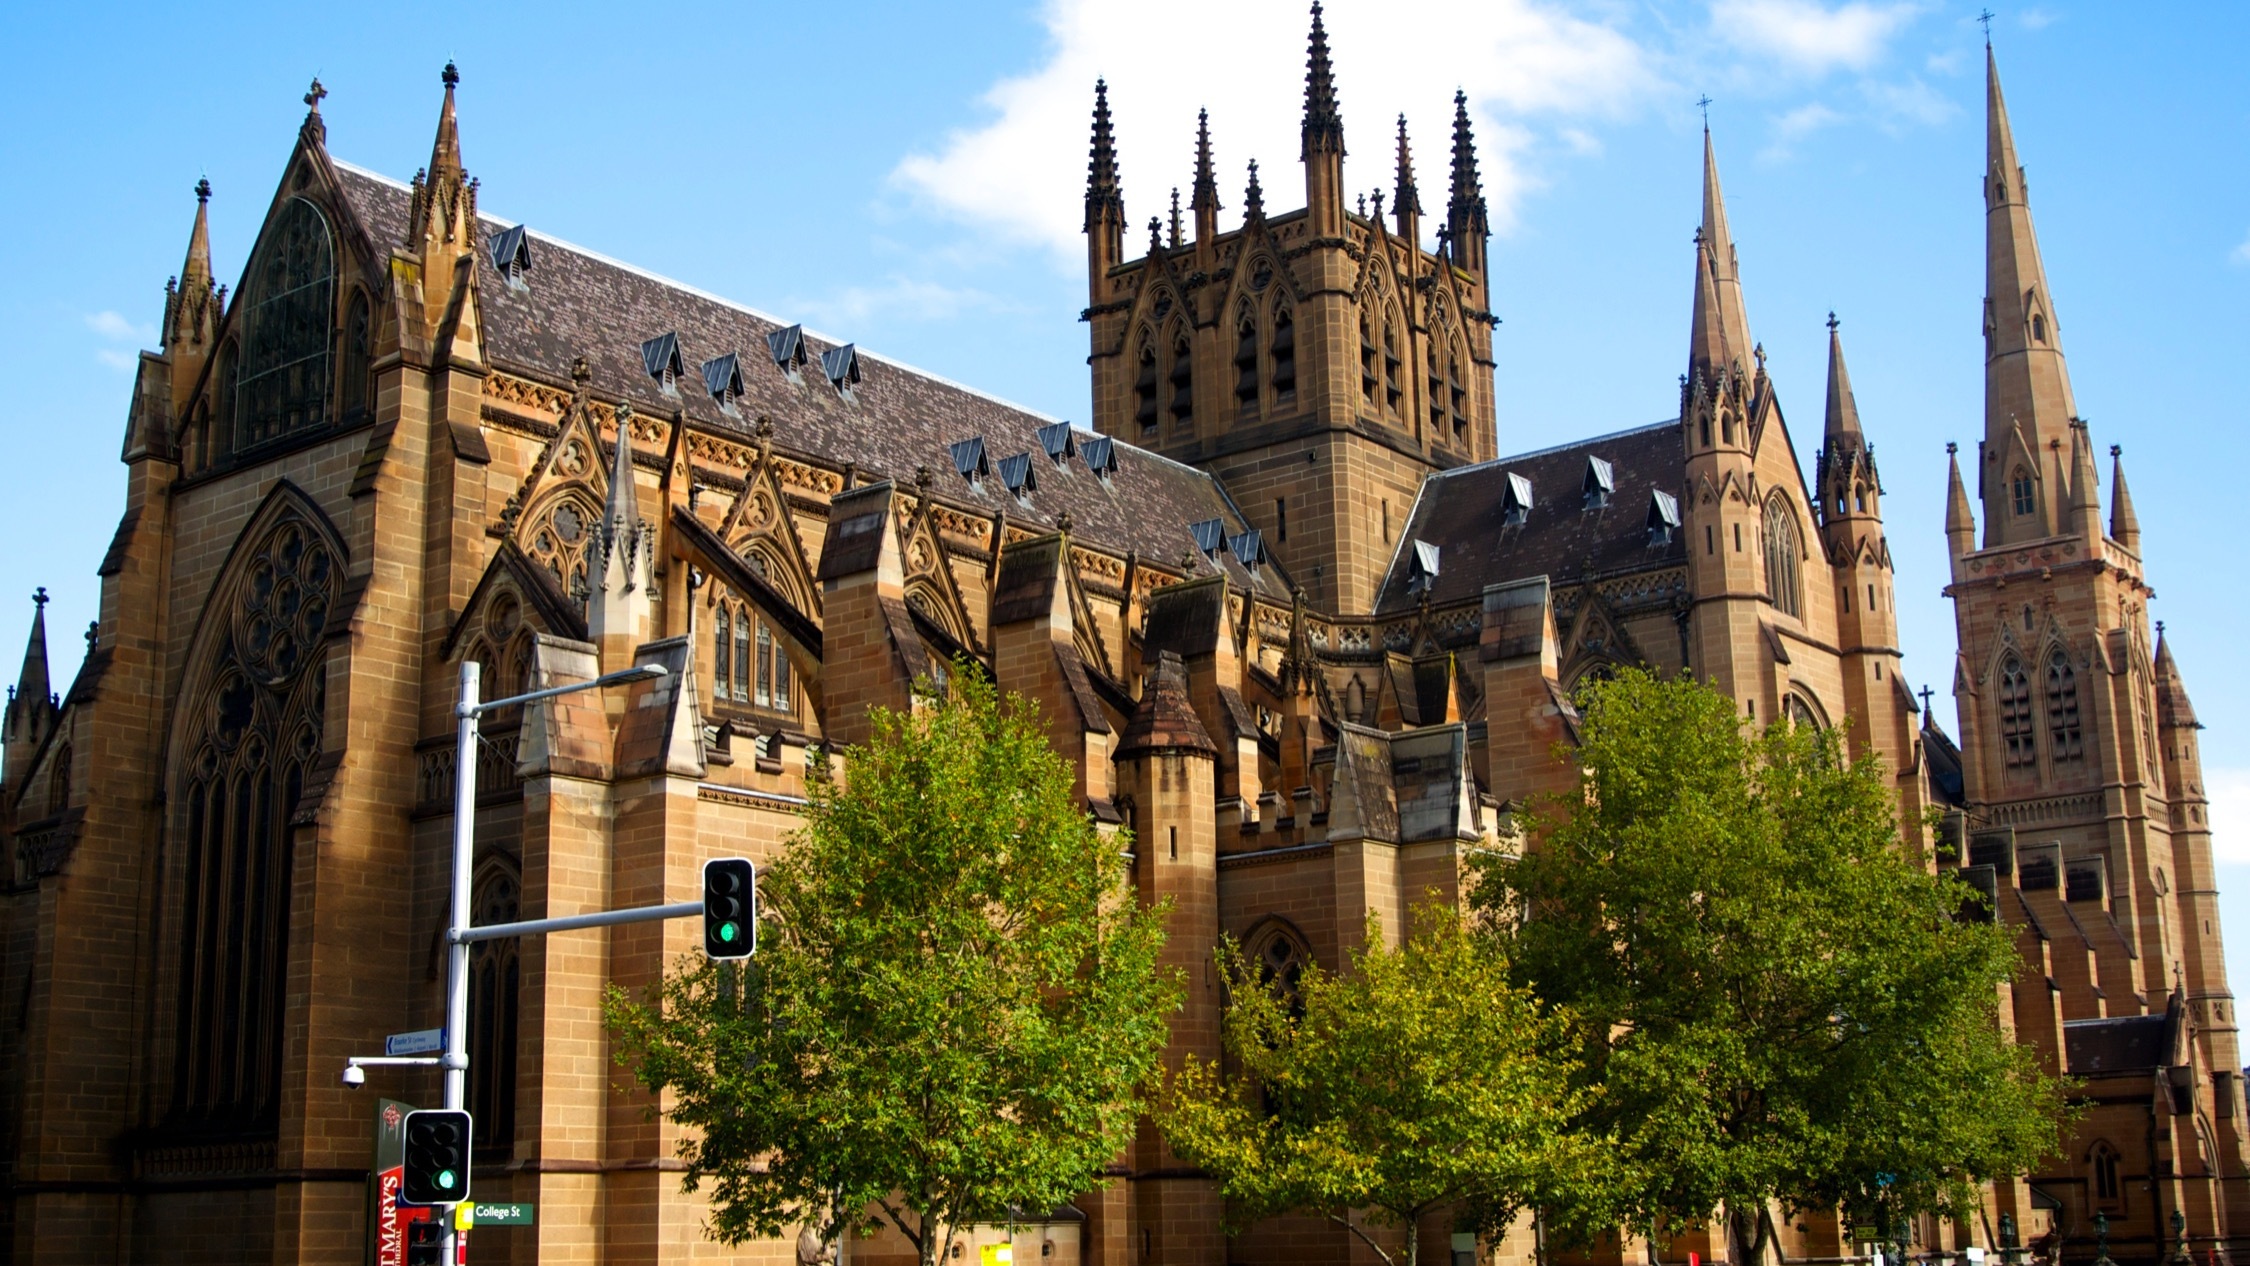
1292 616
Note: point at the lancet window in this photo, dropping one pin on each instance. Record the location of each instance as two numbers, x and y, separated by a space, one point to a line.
1183 383
288 309
1284 356
495 994
749 665
255 729
1246 363
1144 388
2017 723
2065 736
1781 555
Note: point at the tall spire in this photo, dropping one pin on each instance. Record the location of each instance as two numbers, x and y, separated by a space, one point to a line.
1323 151
2124 525
1708 354
2173 711
1960 519
1324 119
1406 202
1467 224
1842 424
33 689
191 301
445 152
1726 272
2026 383
1205 199
444 197
1103 193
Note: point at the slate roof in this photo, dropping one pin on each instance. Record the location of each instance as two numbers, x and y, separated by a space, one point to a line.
2118 1044
1459 511
578 303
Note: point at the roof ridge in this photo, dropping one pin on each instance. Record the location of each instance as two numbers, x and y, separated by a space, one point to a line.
700 293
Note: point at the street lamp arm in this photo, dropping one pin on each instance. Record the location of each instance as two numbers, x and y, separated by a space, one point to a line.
638 672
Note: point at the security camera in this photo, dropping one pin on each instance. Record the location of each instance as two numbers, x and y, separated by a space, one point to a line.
354 1076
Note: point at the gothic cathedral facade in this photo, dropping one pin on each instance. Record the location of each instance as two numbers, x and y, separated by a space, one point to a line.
1293 617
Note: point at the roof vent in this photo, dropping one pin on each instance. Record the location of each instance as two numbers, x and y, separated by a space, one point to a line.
511 255
1601 480
1421 567
661 357
968 458
1100 453
841 364
788 348
1515 501
1663 516
1249 547
1210 536
1016 472
722 377
1056 439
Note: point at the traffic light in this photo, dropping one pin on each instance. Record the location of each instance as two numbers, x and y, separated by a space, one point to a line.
425 1243
730 908
437 1158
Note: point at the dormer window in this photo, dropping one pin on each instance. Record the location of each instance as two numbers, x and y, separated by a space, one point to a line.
1055 439
1101 456
787 346
1210 536
1248 548
841 365
722 377
660 356
1515 501
511 255
1421 566
969 460
1663 517
1017 474
1600 481
2019 490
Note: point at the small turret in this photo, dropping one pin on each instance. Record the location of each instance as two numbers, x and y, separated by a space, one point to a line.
1468 227
2124 525
1323 149
1105 198
1847 484
193 303
617 610
444 214
2173 711
31 705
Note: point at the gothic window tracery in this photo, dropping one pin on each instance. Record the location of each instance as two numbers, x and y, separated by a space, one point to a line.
749 665
1183 381
495 994
1278 957
1781 554
2065 736
256 730
282 382
2102 1159
2019 491
559 538
2017 744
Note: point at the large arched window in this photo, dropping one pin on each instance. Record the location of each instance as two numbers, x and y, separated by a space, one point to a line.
254 715
2017 743
495 991
1781 555
2065 737
288 309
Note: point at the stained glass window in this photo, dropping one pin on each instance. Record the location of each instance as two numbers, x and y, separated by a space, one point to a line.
288 310
1781 554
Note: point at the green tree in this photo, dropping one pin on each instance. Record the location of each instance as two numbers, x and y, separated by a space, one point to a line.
1420 1079
1778 1004
953 1010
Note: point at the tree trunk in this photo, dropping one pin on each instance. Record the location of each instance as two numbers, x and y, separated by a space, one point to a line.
1413 1241
1745 1238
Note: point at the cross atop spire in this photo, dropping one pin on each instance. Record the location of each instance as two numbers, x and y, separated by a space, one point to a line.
315 129
1984 19
1703 103
1324 119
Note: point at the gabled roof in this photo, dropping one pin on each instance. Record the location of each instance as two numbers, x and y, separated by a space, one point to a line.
579 303
1459 512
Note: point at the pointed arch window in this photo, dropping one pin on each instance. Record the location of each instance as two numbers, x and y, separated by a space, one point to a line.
495 994
1284 356
2102 1159
2019 492
1246 363
748 662
1366 362
58 780
287 315
2065 735
1781 555
356 389
254 720
2038 328
1392 392
2018 745
1183 382
1144 388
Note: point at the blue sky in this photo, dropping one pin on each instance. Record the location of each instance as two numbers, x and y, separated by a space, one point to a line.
908 176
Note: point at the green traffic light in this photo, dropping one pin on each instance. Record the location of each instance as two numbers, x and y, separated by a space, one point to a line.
446 1179
730 932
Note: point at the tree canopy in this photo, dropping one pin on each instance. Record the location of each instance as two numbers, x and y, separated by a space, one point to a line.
954 1008
1419 1079
1776 1001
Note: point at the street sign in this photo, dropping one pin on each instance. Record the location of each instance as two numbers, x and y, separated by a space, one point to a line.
419 1042
519 1214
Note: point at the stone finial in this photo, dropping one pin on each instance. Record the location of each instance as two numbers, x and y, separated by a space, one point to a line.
581 370
1064 523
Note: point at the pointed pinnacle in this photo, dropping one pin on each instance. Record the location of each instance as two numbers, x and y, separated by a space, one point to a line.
1253 198
1206 174
1102 190
1176 232
1843 411
1960 520
445 152
2124 525
1408 198
1324 119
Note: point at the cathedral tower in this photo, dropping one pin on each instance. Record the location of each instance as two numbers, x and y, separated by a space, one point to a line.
1320 361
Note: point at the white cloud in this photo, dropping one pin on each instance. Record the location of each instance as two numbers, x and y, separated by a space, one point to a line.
1794 126
2035 19
1022 173
2241 254
111 325
1909 101
899 298
123 362
1810 36
2229 793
